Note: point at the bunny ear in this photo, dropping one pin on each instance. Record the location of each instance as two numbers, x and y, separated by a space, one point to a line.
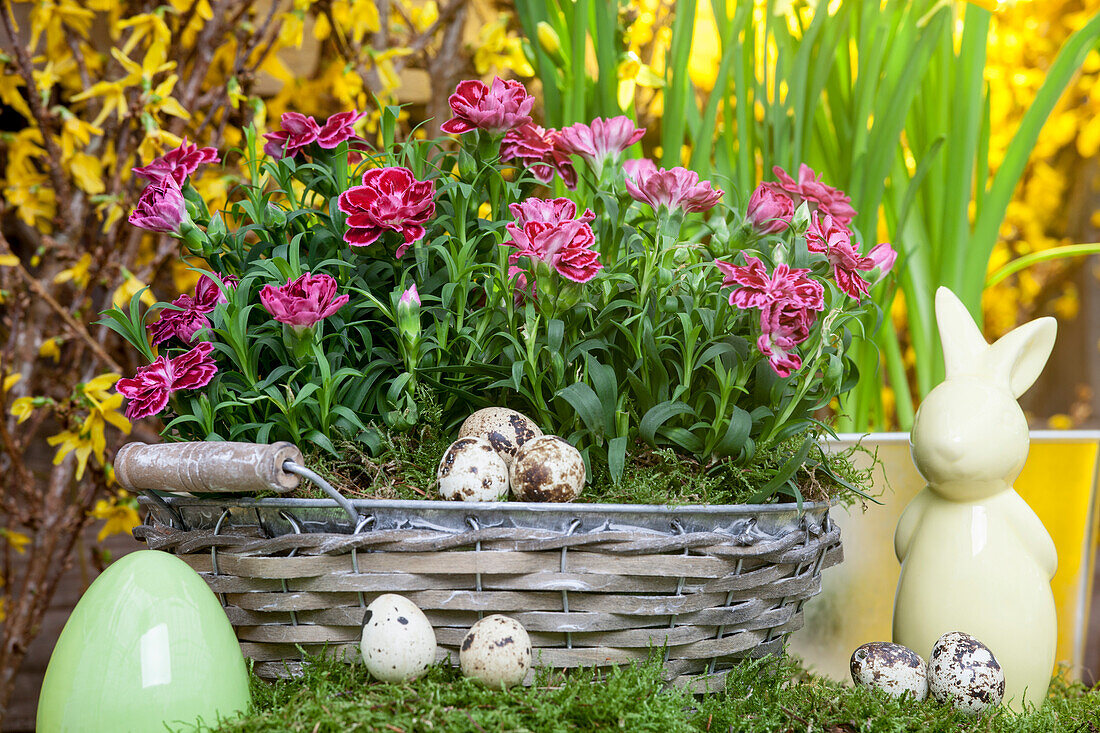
963 345
1019 356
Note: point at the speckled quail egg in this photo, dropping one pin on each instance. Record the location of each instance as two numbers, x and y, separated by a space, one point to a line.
398 640
496 652
962 671
547 468
892 668
506 430
472 471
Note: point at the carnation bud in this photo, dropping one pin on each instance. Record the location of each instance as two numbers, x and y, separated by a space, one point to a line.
801 220
276 217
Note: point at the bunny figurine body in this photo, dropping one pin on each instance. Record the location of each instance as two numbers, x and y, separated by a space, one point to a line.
974 556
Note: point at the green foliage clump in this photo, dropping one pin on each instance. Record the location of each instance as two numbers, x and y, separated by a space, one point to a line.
797 469
764 695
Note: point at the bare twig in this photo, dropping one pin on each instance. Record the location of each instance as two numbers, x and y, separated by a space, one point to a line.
74 327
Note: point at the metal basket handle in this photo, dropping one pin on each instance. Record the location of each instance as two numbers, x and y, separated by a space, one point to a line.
218 467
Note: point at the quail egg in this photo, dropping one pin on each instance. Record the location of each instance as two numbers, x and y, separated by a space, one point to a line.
496 652
398 640
472 471
506 430
547 468
892 668
962 671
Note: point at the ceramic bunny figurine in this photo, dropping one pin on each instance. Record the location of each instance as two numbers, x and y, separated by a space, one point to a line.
974 556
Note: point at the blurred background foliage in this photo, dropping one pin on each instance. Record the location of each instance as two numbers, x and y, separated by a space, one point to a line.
91 88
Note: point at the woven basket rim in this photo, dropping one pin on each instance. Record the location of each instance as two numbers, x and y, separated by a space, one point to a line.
279 502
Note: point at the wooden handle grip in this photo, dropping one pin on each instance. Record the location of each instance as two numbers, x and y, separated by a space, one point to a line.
207 467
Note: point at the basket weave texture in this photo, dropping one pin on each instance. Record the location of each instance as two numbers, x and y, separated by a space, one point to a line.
587 598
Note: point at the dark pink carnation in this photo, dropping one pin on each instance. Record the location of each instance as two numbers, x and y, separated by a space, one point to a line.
787 300
827 236
769 211
789 288
161 208
496 109
782 329
389 199
676 188
540 150
182 321
208 294
546 231
567 247
298 131
303 302
549 211
148 391
188 317
600 140
823 198
339 128
178 164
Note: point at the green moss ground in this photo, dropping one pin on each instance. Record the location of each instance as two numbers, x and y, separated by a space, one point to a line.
766 695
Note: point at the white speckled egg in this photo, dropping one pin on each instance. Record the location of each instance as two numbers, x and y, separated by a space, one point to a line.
496 652
547 468
506 430
892 668
398 640
472 471
962 671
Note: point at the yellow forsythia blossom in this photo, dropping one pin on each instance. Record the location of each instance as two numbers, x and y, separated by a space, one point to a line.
120 515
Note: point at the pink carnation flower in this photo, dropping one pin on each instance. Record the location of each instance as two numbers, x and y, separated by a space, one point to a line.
823 198
540 150
787 300
790 288
338 129
189 315
148 391
178 164
303 302
183 323
603 139
298 131
676 188
496 109
782 329
389 199
545 231
769 211
161 208
636 167
829 237
549 211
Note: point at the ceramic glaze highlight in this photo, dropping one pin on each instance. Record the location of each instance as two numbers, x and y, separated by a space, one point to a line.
974 556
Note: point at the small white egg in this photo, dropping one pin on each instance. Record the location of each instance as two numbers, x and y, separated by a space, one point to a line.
892 668
496 652
398 640
962 671
472 471
547 468
506 430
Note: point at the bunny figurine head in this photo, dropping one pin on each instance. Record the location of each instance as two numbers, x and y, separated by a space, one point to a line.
970 437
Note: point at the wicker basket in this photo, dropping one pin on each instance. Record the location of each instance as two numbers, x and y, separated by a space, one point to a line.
594 584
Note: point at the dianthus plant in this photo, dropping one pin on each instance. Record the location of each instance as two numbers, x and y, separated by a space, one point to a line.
616 303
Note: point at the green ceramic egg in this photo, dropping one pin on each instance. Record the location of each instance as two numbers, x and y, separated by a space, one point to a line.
148 645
